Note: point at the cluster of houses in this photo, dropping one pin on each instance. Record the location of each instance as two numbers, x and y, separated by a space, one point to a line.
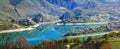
82 31
113 26
23 21
20 20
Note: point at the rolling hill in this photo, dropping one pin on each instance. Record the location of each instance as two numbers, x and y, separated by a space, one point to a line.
12 9
67 10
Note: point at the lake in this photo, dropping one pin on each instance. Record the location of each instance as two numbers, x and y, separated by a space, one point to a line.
45 32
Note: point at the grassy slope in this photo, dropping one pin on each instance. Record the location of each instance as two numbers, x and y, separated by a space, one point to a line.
6 13
25 8
30 7
114 43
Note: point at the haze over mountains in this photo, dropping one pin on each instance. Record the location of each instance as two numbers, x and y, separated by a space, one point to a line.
66 10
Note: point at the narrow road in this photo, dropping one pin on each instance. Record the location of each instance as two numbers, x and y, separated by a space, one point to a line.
81 23
16 30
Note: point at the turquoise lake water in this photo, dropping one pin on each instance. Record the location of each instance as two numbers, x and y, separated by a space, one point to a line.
45 32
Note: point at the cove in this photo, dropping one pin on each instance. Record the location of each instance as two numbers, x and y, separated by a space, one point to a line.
45 32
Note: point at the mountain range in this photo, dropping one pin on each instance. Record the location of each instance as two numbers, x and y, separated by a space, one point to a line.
49 10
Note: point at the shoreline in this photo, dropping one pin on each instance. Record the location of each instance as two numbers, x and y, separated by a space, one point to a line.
94 34
81 23
28 28
36 25
16 30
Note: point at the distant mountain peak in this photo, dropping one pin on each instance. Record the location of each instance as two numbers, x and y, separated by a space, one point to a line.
15 2
69 4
